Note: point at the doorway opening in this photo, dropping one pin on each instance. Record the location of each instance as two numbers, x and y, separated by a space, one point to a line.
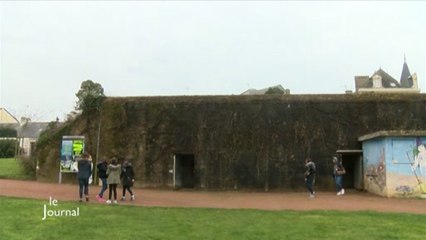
352 161
184 171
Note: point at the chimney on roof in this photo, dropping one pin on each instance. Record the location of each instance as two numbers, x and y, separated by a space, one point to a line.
25 120
361 82
413 78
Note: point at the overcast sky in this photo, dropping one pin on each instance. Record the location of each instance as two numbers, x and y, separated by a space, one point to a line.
149 48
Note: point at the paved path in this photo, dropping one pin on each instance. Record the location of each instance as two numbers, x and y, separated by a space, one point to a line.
352 201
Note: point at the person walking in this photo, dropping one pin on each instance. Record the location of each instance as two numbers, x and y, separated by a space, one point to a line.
338 172
127 179
102 173
84 166
113 179
310 176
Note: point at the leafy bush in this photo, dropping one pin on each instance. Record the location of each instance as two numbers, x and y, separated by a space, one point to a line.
8 132
275 90
7 148
28 165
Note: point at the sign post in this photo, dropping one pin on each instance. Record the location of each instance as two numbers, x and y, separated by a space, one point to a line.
71 150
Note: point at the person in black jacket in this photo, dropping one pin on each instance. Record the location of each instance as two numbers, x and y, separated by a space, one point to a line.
102 169
127 179
310 176
84 167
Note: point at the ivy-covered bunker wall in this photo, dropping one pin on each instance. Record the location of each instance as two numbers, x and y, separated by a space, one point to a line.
238 142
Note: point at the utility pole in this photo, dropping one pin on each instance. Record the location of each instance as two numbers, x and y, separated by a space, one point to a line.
97 146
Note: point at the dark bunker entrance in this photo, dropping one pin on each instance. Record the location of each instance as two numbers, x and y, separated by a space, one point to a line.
352 161
184 171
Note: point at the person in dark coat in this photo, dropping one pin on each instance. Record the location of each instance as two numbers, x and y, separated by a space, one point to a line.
310 176
84 167
127 179
102 169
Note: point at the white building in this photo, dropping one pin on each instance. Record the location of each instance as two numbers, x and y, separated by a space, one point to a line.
27 132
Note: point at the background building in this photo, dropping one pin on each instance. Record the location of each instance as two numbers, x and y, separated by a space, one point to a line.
381 82
27 132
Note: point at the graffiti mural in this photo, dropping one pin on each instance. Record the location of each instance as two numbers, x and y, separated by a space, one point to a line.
395 166
420 165
407 175
376 173
375 166
420 160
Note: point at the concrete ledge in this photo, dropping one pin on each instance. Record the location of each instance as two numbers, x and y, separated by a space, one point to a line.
393 133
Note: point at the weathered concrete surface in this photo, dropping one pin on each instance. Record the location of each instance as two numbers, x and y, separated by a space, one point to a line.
238 142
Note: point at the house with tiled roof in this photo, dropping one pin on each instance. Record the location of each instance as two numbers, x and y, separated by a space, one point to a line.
6 117
27 131
381 82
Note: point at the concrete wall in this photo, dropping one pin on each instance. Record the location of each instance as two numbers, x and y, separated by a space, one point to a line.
238 142
375 166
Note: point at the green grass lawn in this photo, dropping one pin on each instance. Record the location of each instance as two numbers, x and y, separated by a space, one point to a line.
22 219
10 168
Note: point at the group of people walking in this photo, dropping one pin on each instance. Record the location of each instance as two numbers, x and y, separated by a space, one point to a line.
338 172
110 174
